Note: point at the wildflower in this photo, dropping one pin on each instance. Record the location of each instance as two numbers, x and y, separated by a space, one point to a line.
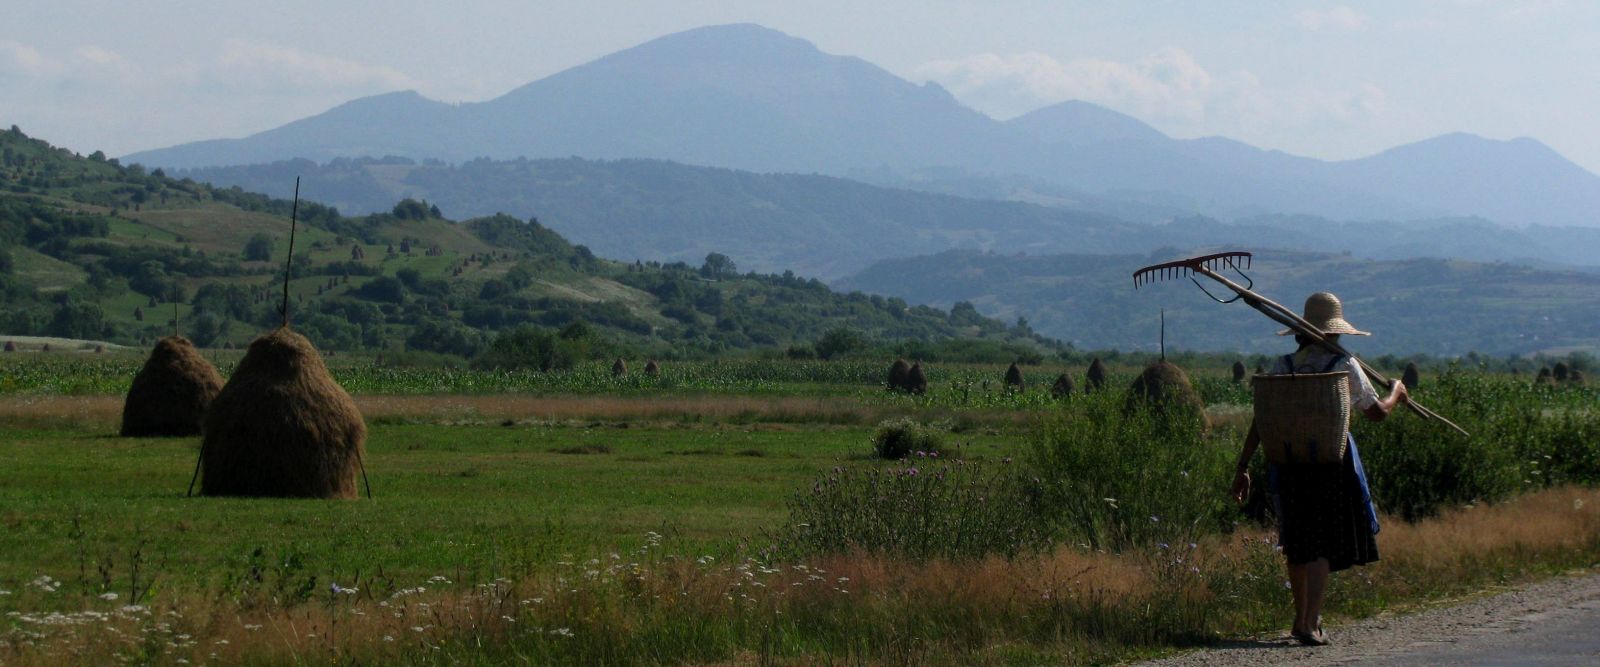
252 627
564 632
388 638
108 597
1155 519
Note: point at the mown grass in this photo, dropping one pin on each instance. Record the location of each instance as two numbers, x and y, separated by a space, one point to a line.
475 498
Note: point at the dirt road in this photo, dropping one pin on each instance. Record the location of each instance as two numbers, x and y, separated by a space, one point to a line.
1555 622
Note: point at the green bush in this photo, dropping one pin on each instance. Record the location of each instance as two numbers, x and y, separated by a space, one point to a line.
928 507
898 438
1118 479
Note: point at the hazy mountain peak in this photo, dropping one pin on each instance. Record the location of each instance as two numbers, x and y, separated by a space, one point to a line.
1077 122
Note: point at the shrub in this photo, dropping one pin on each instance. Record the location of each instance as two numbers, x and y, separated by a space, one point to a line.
899 438
1117 479
926 508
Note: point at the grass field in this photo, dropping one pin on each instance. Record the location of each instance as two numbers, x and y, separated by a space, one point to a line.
580 519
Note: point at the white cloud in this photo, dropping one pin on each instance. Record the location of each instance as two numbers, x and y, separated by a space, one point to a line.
264 66
18 59
1337 18
1167 88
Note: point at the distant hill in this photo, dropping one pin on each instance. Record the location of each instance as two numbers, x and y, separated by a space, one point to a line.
93 249
1439 307
830 227
750 98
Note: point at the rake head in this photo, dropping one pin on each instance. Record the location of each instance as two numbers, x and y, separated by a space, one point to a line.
1183 267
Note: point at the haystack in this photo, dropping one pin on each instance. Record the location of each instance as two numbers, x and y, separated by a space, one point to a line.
1165 389
1063 386
619 368
1575 378
1096 376
1544 377
44 348
897 375
1410 377
170 394
1013 378
916 380
11 346
652 368
1562 371
282 427
1238 372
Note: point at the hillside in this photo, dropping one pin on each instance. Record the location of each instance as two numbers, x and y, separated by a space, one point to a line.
831 227
1442 307
746 97
97 250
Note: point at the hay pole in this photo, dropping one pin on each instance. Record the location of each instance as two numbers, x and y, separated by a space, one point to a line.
361 462
196 476
288 262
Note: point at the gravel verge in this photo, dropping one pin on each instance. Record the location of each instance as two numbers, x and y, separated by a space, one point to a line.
1552 622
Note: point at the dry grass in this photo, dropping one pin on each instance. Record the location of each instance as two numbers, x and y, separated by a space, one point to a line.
617 599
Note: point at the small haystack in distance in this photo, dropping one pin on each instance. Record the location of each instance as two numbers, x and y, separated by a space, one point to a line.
44 348
1063 386
282 427
619 368
652 369
1096 376
1165 389
1014 378
170 394
1410 376
897 375
1544 377
1562 371
1238 372
916 380
11 346
1576 377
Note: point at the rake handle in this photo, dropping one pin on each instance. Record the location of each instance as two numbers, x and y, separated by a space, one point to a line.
1286 317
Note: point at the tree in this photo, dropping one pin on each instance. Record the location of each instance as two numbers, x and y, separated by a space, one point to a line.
258 248
838 342
718 265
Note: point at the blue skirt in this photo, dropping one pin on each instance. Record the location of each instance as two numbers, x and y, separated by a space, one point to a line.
1325 511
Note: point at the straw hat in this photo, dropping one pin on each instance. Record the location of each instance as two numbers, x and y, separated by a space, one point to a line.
1324 312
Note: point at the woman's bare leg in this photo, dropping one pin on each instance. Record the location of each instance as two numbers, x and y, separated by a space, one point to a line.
1297 585
1316 583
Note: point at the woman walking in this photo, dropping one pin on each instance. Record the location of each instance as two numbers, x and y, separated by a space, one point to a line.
1326 521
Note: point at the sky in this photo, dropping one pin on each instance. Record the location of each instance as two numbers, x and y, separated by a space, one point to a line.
1327 80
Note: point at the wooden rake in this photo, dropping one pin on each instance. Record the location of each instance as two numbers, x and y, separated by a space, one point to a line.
1208 266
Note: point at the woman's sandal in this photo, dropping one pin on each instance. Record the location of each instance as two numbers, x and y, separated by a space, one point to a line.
1317 637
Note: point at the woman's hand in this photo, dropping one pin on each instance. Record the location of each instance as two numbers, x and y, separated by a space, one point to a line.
1241 487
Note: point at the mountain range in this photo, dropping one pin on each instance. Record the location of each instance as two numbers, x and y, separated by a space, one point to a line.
750 98
831 227
1434 306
